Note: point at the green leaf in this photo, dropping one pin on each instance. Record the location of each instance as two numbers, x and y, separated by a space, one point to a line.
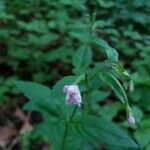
52 132
96 96
59 97
35 92
143 137
55 54
40 97
111 54
38 26
111 110
112 81
74 143
138 114
95 129
18 53
121 71
57 90
82 59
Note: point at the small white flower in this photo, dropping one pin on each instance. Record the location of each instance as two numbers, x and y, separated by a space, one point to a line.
73 95
131 120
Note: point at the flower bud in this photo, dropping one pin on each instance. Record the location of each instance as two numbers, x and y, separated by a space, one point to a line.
131 120
131 86
130 117
73 95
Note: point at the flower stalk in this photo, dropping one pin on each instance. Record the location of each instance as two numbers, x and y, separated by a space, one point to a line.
67 127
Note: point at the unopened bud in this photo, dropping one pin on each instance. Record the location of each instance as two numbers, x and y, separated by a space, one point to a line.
131 86
130 117
131 120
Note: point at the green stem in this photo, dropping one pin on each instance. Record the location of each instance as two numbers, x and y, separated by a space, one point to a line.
87 85
87 94
67 127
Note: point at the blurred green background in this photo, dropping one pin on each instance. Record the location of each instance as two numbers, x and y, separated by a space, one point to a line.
39 37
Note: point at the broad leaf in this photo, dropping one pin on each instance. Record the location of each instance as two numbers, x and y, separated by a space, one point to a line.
97 129
35 92
52 132
40 97
96 96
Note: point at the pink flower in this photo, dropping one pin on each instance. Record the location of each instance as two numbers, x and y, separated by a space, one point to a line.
131 120
73 95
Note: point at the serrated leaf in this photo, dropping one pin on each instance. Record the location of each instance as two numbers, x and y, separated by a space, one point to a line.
82 59
35 92
97 129
39 95
112 81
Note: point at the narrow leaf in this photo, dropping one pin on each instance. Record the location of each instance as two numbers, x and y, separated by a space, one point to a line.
112 81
